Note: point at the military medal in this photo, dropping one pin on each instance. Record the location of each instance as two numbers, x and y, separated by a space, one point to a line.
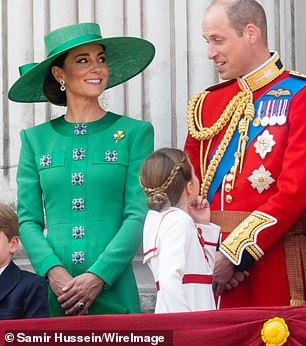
261 179
273 117
281 118
264 144
256 121
265 120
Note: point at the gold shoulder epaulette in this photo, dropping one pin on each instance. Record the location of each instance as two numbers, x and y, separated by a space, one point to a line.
297 74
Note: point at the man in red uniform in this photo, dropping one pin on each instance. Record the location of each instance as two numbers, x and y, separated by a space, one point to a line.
247 142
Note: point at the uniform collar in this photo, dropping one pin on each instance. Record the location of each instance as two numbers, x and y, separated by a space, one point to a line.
263 75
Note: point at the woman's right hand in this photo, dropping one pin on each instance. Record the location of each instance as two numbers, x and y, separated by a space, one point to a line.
58 277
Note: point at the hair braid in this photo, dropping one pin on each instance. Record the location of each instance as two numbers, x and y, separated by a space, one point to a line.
158 198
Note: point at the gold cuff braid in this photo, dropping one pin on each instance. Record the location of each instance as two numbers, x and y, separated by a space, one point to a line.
243 237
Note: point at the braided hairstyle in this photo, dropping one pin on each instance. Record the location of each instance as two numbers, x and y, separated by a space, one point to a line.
163 177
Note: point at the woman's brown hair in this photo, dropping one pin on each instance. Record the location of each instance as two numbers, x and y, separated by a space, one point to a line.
51 86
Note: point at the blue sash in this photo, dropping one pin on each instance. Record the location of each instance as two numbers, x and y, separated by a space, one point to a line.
291 83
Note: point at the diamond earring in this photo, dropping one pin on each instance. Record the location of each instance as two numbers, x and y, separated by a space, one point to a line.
62 83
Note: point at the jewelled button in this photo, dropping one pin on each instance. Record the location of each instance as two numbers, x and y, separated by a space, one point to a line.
78 204
45 160
78 257
111 156
80 129
78 232
79 154
77 179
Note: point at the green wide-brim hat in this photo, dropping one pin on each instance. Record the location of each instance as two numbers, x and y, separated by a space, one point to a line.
125 58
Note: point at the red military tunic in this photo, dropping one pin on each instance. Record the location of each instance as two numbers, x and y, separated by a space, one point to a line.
278 204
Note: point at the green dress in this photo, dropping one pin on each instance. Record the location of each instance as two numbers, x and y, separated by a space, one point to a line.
80 182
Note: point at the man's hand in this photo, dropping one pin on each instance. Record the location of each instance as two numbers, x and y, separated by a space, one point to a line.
237 278
223 273
225 276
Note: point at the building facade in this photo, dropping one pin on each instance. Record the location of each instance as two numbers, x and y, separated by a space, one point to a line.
160 94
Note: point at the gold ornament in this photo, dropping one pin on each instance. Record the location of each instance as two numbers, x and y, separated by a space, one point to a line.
275 332
243 237
279 92
228 187
241 105
268 72
118 135
229 198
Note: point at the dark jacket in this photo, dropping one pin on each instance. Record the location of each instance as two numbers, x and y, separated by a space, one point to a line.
22 294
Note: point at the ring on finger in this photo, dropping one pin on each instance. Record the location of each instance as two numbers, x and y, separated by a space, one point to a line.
81 306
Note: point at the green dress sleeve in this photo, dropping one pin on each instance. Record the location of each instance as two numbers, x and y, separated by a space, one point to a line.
31 212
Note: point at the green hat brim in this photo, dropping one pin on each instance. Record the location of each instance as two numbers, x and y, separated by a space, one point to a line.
125 57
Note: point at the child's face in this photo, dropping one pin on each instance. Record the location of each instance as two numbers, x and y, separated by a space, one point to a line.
7 249
195 185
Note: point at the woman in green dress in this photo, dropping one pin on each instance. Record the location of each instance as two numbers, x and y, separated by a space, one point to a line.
78 174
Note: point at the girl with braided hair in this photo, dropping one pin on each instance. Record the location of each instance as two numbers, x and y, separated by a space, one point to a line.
179 241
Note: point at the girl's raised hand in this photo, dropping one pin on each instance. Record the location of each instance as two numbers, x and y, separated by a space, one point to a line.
199 210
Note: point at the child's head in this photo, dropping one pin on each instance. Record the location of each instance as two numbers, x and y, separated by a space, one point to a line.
163 177
8 234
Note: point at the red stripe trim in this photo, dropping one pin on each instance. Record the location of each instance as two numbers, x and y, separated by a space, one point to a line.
151 250
197 279
210 244
155 246
193 279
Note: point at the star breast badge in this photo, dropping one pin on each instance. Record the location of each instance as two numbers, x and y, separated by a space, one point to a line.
264 144
261 179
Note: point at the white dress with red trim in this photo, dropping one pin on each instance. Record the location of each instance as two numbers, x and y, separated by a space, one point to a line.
180 255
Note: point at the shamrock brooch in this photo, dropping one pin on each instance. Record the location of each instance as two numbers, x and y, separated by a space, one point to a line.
118 135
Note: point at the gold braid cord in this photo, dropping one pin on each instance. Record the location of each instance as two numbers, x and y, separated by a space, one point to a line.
241 105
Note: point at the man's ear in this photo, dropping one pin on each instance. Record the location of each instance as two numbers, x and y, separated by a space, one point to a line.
14 242
252 33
